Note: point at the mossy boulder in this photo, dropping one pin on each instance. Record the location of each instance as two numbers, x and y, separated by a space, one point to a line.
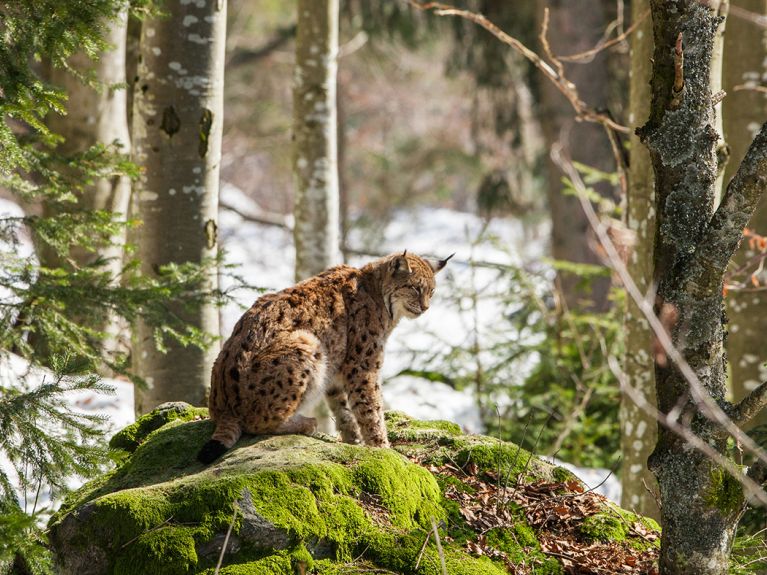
292 504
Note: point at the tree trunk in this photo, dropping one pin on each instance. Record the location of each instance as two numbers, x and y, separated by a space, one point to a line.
745 63
638 429
314 126
96 116
177 126
700 502
315 161
576 26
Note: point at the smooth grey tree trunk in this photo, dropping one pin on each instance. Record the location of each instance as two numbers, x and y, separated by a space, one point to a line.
177 127
315 164
315 157
700 502
745 64
576 26
638 429
97 116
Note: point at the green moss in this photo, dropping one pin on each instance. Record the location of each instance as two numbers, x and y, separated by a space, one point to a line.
357 508
410 492
564 475
277 564
164 551
131 437
493 457
403 428
725 492
521 546
604 527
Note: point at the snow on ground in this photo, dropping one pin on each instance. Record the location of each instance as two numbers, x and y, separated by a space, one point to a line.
263 256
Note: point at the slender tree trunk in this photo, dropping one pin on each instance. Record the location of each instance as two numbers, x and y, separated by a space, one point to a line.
315 161
96 116
177 126
314 125
700 502
638 429
745 63
576 26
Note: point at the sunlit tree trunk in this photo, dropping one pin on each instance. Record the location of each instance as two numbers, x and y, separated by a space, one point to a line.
315 160
177 126
575 26
315 132
96 115
745 65
638 429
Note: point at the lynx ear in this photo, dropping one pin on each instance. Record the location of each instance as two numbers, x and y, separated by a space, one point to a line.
439 264
400 264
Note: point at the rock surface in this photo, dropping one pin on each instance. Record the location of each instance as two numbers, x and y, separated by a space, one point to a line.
299 504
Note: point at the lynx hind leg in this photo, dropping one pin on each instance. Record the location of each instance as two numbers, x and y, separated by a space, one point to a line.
298 424
279 380
345 420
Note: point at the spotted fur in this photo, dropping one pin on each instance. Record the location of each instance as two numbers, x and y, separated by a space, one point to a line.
324 335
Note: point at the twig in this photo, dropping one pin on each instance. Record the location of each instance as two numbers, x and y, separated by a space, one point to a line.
750 405
568 89
588 55
741 87
440 551
422 551
226 541
705 403
652 493
155 528
265 218
756 18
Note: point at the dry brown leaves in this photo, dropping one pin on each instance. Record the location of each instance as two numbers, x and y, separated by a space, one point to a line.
555 511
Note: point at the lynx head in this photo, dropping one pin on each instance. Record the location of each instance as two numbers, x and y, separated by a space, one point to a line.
408 284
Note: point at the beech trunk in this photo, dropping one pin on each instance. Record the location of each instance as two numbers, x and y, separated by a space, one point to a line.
177 123
638 429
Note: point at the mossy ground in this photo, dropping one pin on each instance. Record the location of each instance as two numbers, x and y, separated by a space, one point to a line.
332 508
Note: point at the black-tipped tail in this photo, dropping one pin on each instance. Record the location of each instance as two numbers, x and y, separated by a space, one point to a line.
211 451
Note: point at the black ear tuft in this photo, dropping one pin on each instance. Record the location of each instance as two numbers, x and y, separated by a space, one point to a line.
438 265
400 264
211 451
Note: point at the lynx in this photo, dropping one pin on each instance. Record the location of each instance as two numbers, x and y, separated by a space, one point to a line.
325 334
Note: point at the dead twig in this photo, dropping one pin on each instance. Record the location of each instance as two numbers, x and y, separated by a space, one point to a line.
588 55
226 541
555 74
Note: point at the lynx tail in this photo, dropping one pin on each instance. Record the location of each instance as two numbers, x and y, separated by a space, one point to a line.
227 433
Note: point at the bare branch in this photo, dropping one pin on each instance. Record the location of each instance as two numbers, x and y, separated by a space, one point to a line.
588 55
265 218
753 88
758 19
750 406
725 230
750 486
568 89
705 403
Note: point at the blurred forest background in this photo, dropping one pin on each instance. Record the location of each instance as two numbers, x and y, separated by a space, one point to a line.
444 144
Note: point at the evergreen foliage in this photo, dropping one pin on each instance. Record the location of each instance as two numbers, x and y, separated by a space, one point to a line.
45 312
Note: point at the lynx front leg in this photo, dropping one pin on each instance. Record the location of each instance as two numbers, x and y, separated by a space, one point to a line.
339 405
367 405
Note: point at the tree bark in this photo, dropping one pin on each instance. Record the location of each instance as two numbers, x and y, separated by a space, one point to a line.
177 126
576 26
315 160
700 502
638 429
314 126
745 63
